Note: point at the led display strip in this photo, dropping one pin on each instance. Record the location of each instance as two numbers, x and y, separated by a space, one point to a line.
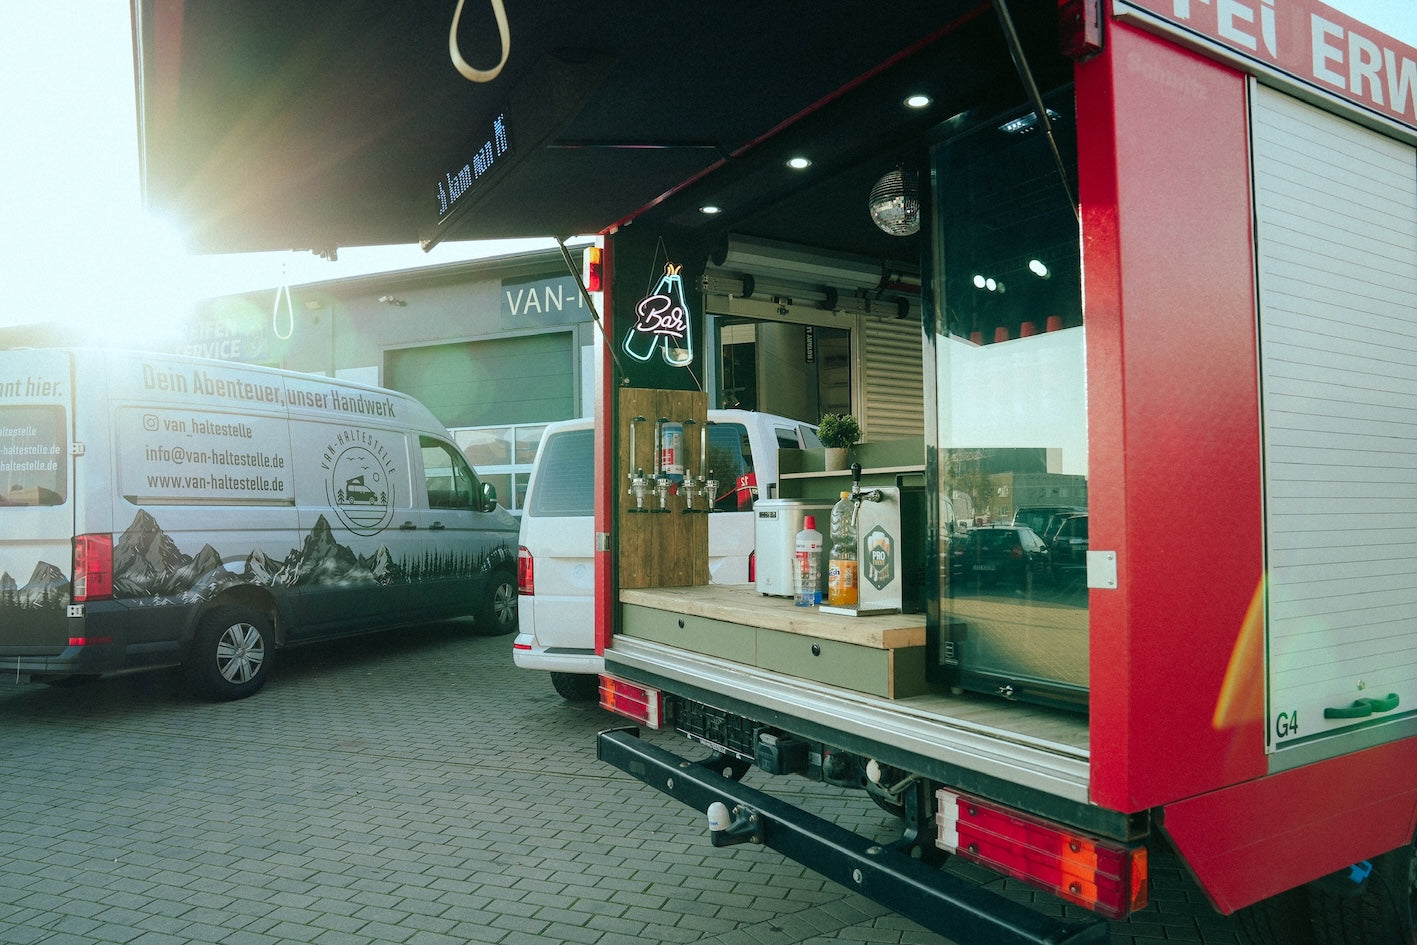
456 186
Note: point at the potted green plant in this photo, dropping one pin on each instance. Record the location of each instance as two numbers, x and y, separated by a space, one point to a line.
838 433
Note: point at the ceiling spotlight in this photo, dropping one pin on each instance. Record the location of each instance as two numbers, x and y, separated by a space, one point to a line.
1037 267
978 281
895 203
710 209
799 163
918 101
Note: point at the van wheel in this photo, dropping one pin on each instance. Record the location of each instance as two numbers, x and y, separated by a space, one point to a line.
576 687
231 654
1382 912
498 614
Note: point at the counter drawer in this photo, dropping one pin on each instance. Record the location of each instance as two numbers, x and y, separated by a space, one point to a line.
891 673
716 638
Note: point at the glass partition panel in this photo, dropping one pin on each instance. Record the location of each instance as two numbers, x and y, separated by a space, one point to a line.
1012 411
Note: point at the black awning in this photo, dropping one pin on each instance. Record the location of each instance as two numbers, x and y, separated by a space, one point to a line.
317 125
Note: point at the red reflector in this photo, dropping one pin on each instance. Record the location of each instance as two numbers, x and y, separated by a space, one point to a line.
1108 877
633 702
526 572
93 567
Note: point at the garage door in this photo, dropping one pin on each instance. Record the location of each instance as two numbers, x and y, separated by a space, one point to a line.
530 379
1336 211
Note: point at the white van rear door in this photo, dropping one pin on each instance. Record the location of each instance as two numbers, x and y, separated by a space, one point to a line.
558 530
36 498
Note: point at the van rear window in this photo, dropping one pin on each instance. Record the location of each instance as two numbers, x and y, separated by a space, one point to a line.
33 456
565 481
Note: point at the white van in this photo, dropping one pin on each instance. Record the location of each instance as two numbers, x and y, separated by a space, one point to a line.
556 570
159 510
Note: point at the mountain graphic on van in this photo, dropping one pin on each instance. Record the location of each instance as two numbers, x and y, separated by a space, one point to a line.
47 584
36 609
149 568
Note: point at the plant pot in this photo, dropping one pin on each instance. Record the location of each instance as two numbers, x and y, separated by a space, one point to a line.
835 458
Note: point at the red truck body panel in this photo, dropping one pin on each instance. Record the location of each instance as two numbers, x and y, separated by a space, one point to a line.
1173 421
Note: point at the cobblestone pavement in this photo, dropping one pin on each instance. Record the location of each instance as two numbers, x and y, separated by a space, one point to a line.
409 788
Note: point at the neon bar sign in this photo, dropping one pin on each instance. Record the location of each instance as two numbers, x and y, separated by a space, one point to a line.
662 319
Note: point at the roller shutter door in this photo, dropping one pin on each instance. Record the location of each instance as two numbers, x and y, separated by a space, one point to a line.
1336 215
529 379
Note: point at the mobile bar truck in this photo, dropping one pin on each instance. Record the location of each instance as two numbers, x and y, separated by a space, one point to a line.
1170 273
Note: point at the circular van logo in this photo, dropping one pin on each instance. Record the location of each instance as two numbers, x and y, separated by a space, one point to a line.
360 486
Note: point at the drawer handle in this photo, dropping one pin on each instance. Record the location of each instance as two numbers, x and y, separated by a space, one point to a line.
1362 708
816 649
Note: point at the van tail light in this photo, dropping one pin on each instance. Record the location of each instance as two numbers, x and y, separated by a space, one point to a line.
1105 876
633 701
752 567
526 572
93 568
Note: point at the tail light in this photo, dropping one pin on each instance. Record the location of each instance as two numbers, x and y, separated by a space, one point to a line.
639 703
1107 877
93 568
526 572
593 269
752 567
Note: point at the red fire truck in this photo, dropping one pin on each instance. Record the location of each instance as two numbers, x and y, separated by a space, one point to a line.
1171 270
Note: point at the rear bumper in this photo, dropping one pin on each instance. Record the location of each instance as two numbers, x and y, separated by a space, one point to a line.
98 640
939 901
528 654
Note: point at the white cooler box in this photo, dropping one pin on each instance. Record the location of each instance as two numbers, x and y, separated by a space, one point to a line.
777 522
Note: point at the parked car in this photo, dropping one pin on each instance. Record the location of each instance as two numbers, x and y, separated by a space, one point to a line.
994 554
1044 519
1067 549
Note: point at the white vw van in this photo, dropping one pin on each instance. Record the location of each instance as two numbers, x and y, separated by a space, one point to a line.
158 510
557 564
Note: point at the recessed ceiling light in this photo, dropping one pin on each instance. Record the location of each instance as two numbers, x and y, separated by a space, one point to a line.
918 101
710 209
799 163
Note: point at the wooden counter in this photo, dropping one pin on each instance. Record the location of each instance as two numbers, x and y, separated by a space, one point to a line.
883 654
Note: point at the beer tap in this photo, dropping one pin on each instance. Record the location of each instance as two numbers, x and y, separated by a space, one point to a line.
859 495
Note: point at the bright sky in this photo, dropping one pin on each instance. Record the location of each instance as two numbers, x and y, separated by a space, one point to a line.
71 229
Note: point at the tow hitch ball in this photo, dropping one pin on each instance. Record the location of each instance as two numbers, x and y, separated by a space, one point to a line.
741 826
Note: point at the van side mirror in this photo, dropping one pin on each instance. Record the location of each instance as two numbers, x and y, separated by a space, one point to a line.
489 497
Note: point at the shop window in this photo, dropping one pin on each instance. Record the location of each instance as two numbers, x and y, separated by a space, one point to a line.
502 456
